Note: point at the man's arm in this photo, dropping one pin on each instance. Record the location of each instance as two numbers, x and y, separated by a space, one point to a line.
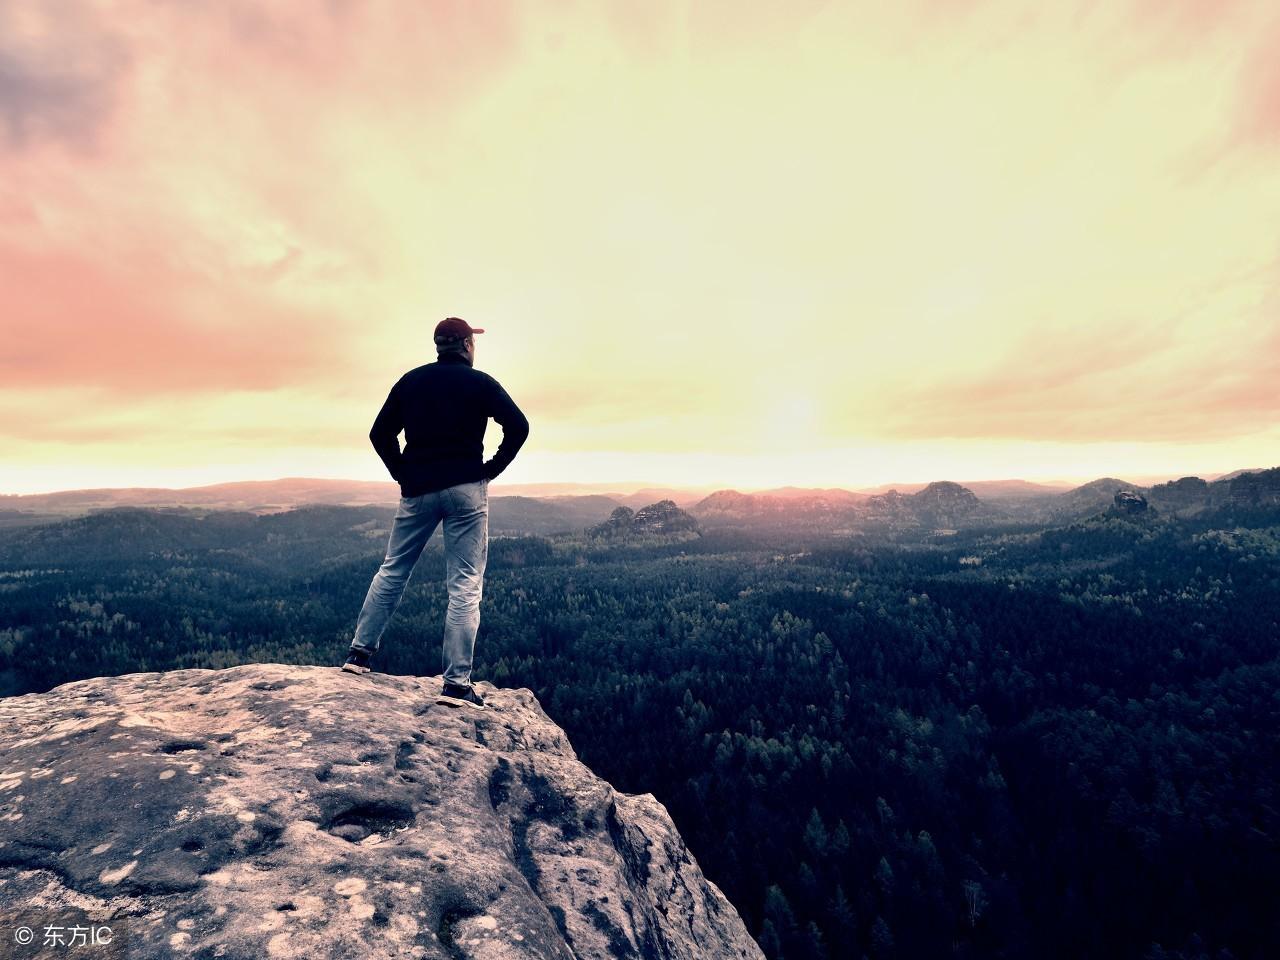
386 431
515 430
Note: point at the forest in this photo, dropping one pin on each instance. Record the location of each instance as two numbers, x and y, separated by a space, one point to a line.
1048 741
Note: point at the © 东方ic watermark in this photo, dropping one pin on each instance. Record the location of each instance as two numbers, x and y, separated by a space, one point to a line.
27 935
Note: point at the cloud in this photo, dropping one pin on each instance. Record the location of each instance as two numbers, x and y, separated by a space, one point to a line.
688 226
1143 382
61 69
1259 109
275 419
150 328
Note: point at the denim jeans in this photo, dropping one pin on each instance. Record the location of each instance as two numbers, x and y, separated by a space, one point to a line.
464 510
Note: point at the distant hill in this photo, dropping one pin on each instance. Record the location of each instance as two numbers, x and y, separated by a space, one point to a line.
1090 497
943 504
1255 488
940 504
131 534
617 492
255 496
1185 496
507 514
994 489
832 495
987 489
1236 473
518 509
267 496
831 510
553 515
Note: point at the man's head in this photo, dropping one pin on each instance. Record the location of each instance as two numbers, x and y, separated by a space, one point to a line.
455 335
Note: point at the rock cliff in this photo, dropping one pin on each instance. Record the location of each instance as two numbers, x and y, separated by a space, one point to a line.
292 811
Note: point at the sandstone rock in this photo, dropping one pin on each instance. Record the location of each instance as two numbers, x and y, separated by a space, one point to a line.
1130 501
662 517
657 519
298 811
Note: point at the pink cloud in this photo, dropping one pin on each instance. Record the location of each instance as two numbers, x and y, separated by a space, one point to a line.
61 69
1260 91
73 321
1097 387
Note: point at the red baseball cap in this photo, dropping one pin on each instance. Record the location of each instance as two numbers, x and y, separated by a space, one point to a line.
455 328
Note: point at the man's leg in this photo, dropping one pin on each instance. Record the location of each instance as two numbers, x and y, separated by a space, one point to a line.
414 523
466 550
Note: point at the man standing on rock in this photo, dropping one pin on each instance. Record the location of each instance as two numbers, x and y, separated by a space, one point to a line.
443 409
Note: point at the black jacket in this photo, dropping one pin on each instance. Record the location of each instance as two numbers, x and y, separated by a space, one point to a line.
443 409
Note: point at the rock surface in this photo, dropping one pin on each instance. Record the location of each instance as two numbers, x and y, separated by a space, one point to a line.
298 811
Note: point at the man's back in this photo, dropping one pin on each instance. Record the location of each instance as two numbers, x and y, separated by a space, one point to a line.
444 408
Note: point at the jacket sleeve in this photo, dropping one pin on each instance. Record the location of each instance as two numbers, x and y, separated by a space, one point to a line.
515 430
386 431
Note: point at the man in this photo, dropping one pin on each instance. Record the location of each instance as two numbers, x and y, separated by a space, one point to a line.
443 408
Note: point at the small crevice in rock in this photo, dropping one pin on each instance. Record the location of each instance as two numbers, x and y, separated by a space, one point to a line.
355 820
181 746
403 752
500 784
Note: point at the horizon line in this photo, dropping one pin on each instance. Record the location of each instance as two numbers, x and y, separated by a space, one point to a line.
635 486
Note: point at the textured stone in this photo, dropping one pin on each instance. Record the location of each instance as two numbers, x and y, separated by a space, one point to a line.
300 811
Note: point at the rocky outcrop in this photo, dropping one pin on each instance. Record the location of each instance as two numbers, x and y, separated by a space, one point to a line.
298 811
662 517
1129 502
657 519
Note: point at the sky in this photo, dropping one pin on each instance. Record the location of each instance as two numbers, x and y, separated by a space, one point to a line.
711 243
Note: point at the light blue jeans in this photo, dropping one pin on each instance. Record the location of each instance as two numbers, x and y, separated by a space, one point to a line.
464 510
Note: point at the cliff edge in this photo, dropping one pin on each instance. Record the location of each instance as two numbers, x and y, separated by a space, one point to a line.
268 810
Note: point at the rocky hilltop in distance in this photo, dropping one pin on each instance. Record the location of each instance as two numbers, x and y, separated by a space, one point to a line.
298 811
941 503
656 519
1184 497
819 505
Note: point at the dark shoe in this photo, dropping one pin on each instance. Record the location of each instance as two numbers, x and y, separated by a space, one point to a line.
456 696
358 661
